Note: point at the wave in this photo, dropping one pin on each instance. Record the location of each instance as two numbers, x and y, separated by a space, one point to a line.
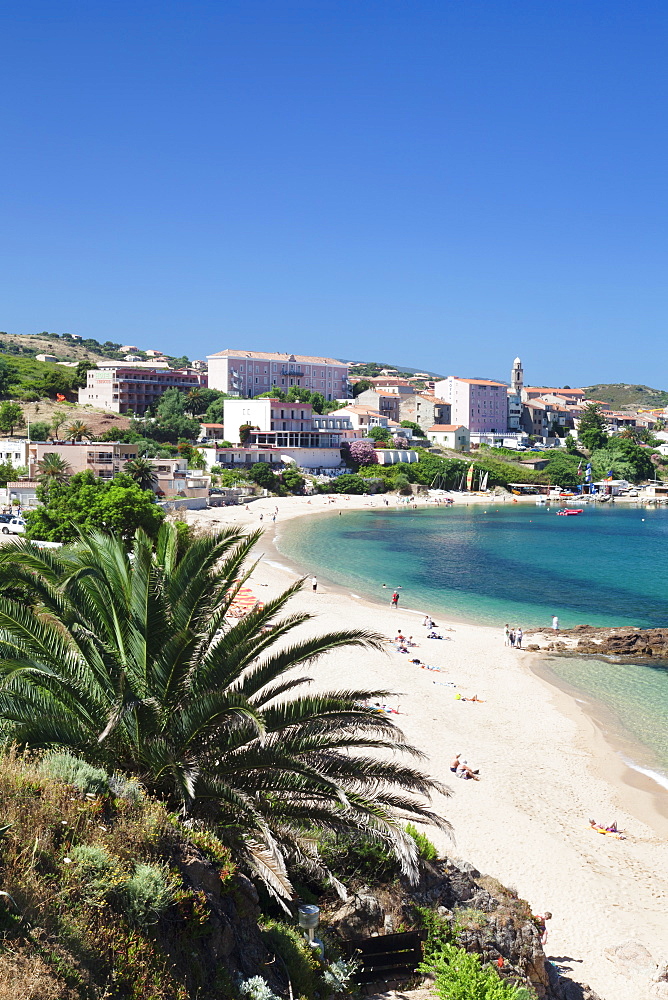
657 776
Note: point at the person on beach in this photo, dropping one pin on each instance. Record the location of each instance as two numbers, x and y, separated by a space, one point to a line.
314 584
555 623
511 637
506 633
518 638
540 919
462 770
395 599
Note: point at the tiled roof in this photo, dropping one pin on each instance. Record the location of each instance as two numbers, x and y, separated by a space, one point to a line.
271 356
446 427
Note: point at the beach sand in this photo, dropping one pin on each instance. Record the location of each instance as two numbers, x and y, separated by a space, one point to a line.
545 765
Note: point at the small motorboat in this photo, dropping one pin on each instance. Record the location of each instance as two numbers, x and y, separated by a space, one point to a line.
567 513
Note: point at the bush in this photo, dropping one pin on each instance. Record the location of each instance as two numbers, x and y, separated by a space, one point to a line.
301 963
460 976
349 483
426 849
147 894
256 988
94 870
73 771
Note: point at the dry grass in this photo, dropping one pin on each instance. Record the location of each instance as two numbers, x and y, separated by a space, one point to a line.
28 977
61 941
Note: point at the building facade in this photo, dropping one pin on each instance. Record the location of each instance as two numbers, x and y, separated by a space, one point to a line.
450 436
104 458
128 387
250 373
425 411
481 405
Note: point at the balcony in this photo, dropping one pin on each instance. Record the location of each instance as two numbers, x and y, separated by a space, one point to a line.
293 372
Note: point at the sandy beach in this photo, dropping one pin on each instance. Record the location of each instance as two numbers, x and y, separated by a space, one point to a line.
545 765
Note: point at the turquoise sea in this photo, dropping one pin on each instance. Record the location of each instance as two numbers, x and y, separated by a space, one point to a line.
520 564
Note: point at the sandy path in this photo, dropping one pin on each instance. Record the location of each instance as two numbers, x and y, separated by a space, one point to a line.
545 768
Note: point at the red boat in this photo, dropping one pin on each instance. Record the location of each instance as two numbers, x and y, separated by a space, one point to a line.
567 513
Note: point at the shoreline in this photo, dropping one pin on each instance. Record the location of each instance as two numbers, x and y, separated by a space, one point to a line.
546 761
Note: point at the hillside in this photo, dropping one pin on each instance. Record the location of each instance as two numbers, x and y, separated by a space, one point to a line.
66 349
372 368
628 397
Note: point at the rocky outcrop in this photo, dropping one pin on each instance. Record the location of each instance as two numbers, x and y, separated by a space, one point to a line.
621 642
231 937
485 917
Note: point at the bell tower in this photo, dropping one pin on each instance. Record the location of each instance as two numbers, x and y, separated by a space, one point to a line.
517 377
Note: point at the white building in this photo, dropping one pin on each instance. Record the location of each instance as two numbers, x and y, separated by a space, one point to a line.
250 373
452 436
14 450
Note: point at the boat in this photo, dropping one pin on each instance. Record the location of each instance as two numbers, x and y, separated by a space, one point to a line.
566 513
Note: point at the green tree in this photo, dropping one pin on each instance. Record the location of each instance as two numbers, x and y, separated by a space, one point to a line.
591 429
8 376
7 473
381 434
39 430
318 402
361 386
81 373
413 426
562 470
53 468
571 445
142 471
262 474
292 479
349 483
86 503
134 666
11 416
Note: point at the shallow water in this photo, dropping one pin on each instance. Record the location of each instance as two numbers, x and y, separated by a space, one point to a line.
520 564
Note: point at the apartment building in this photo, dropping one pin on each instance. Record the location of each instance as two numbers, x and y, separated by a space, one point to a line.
481 405
280 425
104 458
14 450
107 458
250 373
130 387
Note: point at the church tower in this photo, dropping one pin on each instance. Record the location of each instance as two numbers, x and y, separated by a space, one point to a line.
517 377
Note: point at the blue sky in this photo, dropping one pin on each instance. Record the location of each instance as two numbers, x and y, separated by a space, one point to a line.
437 184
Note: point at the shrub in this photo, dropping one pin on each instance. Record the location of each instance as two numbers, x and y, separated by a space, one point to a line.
298 957
459 975
339 975
147 894
73 771
256 988
94 870
426 849
358 857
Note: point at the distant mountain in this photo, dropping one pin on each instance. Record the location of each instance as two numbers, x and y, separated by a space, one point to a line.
628 397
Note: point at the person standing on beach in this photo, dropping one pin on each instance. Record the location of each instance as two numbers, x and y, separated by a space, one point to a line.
555 623
518 638
511 637
395 599
314 584
506 632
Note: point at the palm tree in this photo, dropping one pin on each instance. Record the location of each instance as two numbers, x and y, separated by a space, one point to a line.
142 471
132 663
78 430
53 468
194 402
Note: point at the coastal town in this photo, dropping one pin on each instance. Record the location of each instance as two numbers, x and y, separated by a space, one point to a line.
334 501
319 422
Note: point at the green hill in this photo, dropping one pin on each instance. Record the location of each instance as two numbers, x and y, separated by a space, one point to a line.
622 396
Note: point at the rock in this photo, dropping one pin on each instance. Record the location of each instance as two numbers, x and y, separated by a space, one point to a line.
360 916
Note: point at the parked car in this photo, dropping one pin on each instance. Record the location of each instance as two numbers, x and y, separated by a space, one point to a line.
14 526
5 518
